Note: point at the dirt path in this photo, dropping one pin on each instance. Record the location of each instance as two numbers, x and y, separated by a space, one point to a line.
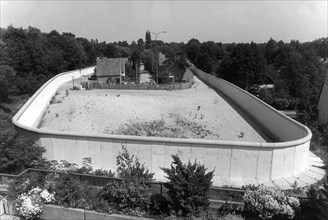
113 111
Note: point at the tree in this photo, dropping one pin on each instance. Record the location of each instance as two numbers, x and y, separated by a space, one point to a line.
141 44
136 57
206 55
244 67
7 75
111 51
188 187
271 48
16 153
192 50
177 65
148 40
149 59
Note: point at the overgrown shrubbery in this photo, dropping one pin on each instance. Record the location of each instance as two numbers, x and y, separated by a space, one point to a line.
72 192
186 194
188 187
269 202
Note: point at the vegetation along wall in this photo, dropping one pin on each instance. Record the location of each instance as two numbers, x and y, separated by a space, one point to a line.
233 161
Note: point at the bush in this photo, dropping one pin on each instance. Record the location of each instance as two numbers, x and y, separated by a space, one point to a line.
17 154
133 193
316 207
159 205
188 187
72 192
269 202
25 183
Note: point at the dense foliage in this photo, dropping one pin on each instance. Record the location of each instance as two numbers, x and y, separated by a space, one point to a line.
269 202
316 207
188 187
17 154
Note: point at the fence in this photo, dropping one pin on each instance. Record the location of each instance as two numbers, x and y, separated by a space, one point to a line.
129 86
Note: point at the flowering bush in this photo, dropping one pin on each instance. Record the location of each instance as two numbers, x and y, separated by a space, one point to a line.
269 202
30 204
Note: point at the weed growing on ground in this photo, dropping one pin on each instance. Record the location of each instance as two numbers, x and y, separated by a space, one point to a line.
181 128
54 100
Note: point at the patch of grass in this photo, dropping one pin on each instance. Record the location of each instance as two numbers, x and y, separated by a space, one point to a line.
154 128
181 128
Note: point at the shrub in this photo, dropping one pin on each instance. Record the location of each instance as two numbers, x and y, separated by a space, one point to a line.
188 187
269 202
131 194
72 192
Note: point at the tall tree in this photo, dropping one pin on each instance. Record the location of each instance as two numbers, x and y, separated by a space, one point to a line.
192 50
148 40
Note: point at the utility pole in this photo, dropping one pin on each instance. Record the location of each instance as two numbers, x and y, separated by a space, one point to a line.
156 51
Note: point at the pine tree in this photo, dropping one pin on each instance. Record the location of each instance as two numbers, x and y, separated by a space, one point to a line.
188 187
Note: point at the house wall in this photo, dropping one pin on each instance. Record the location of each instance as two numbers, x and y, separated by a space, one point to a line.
231 160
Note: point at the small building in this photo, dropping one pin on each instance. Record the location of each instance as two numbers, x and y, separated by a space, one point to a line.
110 70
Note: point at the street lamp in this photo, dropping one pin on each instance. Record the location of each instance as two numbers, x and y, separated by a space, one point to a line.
161 32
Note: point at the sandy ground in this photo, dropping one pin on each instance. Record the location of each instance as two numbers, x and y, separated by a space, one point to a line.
107 111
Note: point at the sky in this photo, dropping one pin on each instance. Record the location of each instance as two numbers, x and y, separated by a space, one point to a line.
219 21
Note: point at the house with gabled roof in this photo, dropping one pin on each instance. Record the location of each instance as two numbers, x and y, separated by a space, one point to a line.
110 70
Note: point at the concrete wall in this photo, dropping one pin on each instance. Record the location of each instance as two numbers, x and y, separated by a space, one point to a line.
32 111
231 160
276 124
52 212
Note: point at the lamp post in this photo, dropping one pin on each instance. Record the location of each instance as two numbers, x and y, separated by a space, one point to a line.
161 32
73 81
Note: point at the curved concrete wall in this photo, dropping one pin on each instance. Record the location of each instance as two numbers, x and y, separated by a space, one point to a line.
260 162
32 111
276 124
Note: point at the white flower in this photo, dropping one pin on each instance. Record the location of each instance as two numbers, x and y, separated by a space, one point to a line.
30 204
48 197
268 202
